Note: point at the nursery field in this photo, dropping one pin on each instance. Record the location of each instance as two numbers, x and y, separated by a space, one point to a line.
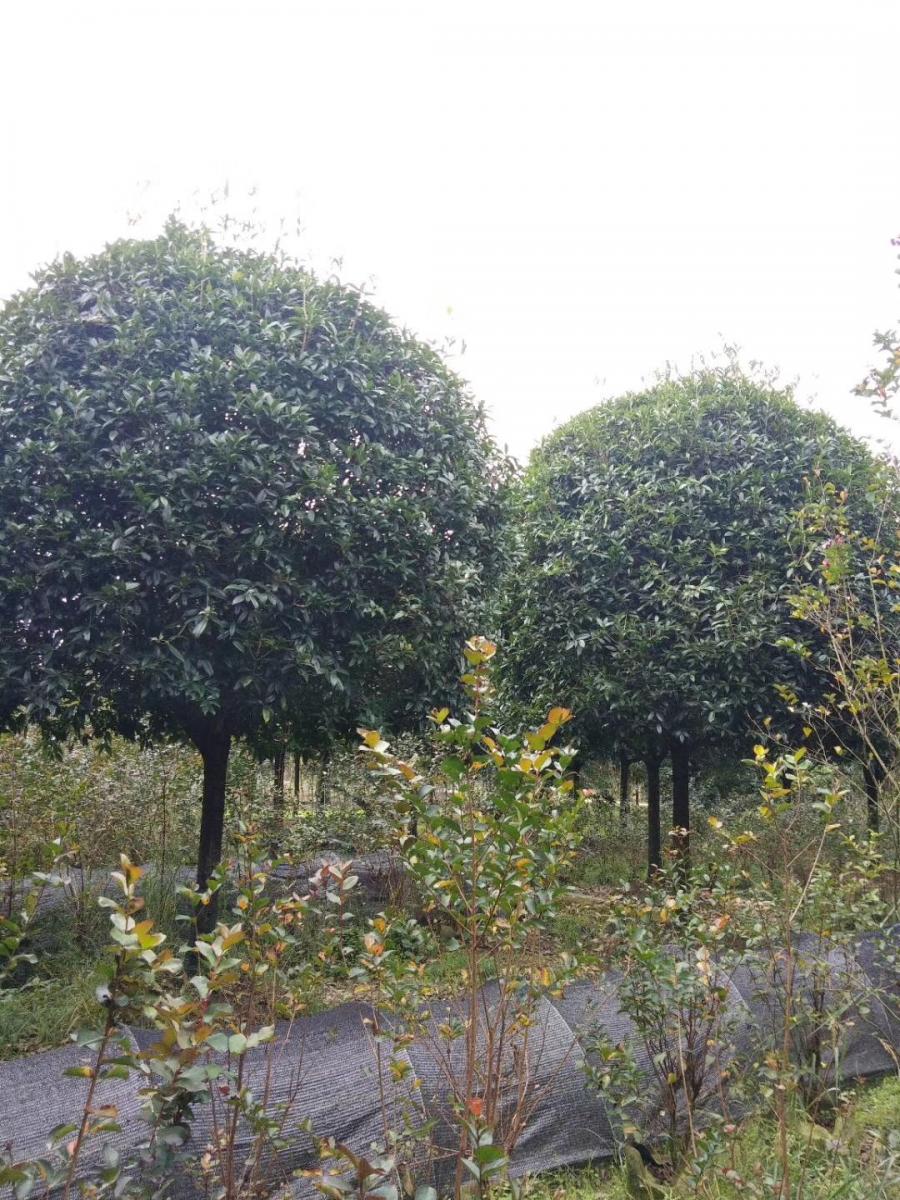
381 819
375 928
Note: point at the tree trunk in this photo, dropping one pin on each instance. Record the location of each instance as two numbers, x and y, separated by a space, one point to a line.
575 774
870 777
278 769
214 750
654 836
322 785
624 771
681 798
296 775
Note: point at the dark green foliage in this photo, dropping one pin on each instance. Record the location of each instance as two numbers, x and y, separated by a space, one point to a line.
232 498
656 560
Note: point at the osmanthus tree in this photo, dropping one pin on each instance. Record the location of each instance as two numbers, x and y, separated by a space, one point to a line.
656 558
231 494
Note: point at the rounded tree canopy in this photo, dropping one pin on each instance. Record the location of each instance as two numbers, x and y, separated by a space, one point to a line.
230 493
657 555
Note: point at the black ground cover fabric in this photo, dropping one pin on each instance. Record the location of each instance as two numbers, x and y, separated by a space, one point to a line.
36 1096
324 1069
380 876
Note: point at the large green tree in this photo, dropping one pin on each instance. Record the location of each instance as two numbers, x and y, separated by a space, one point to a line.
656 560
231 494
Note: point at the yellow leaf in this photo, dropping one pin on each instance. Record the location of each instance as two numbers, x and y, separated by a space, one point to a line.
129 870
487 648
479 650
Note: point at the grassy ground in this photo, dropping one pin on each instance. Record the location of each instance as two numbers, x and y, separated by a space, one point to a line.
858 1161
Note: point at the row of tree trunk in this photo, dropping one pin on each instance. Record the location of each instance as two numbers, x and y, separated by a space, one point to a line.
681 803
279 766
214 745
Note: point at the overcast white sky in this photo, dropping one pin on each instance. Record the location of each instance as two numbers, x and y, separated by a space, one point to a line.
580 192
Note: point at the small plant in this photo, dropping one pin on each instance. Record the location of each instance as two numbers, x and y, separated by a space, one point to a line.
138 962
672 945
486 839
333 883
209 1020
847 610
807 889
22 901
